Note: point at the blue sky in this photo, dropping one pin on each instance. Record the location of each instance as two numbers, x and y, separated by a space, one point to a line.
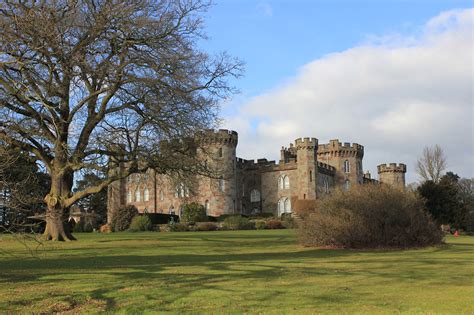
281 41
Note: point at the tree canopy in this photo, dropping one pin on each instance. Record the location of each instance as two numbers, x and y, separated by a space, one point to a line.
88 84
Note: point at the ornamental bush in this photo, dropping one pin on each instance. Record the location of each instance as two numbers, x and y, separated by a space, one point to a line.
123 217
206 226
260 225
194 212
140 223
274 224
369 216
237 222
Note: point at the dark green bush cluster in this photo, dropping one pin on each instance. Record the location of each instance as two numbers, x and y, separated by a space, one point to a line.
369 216
260 225
194 212
83 226
205 226
237 222
123 217
140 223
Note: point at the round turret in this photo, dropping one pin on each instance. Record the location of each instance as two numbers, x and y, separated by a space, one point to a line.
392 174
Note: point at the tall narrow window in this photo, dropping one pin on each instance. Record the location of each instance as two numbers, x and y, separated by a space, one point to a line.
281 206
221 184
281 182
310 176
346 166
326 186
287 182
129 196
207 206
347 184
287 205
146 195
162 195
219 153
137 195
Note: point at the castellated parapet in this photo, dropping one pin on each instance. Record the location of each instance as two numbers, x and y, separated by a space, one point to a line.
392 167
221 136
392 174
336 148
306 143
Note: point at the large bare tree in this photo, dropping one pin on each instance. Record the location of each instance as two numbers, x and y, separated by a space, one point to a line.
90 83
432 164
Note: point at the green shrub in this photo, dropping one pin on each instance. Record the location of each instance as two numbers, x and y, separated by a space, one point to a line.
178 227
274 224
123 217
194 212
205 226
260 225
237 222
78 227
140 223
288 221
369 216
88 227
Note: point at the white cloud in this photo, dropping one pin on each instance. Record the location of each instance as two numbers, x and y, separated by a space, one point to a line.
394 95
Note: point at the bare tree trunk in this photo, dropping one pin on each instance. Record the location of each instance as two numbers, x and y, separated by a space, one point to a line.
56 219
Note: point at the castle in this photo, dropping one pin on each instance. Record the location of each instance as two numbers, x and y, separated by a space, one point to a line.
306 171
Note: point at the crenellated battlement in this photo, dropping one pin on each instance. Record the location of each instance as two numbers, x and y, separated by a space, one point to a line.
337 148
221 136
253 164
306 143
326 167
392 168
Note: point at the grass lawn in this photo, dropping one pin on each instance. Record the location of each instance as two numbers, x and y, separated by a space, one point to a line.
232 272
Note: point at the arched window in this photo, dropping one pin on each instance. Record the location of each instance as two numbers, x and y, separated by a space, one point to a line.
287 205
281 206
347 184
207 206
129 196
284 182
146 195
346 166
137 195
254 196
221 184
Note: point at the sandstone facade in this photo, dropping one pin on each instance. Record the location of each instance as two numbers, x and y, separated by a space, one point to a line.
306 171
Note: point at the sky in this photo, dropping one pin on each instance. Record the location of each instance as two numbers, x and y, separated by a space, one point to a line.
394 76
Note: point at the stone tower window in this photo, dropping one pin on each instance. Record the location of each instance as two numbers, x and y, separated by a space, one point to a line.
219 152
207 206
221 184
347 167
347 184
326 186
129 196
146 195
254 196
310 176
162 195
284 182
137 195
284 206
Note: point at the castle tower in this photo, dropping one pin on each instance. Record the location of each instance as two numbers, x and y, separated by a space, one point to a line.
306 149
392 174
219 150
346 158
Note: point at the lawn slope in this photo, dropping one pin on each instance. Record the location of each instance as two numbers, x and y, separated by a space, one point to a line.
232 272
